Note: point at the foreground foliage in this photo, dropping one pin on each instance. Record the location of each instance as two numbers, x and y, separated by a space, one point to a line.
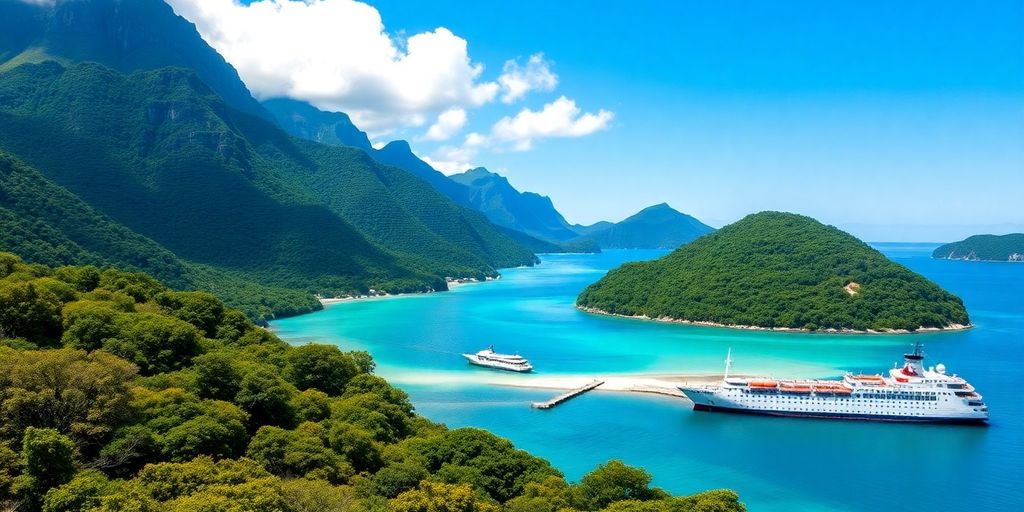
775 269
119 394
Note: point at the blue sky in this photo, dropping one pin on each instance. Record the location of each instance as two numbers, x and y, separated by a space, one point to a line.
893 120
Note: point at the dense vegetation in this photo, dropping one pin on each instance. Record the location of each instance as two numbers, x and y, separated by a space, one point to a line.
654 227
984 248
159 154
118 394
775 269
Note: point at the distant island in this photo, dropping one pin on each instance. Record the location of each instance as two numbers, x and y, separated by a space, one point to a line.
984 248
774 270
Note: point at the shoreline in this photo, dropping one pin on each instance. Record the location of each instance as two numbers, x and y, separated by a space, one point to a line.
702 323
452 284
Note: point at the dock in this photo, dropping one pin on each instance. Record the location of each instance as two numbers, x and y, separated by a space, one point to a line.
567 395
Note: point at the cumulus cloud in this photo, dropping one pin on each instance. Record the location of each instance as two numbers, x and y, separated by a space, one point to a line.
448 123
560 118
518 80
337 55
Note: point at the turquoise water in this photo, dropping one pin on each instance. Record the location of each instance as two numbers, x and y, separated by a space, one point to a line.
775 463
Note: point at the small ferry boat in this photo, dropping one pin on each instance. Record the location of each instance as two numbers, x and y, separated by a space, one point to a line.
491 359
909 393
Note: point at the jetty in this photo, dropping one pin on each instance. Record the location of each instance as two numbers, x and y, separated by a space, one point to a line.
567 395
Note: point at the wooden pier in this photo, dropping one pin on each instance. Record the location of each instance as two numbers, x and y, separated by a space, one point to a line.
567 395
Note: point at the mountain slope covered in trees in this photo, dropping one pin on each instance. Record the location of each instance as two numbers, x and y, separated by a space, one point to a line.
777 270
121 34
120 394
159 153
984 248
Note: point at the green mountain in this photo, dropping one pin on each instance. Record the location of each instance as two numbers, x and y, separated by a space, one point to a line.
984 248
305 121
126 35
777 270
529 218
654 227
161 154
528 212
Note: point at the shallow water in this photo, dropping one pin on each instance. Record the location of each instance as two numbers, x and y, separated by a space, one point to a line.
775 463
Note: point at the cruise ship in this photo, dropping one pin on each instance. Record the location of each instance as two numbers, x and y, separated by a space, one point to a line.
909 393
491 359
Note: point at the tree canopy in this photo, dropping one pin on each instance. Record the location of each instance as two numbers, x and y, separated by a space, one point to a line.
129 396
777 270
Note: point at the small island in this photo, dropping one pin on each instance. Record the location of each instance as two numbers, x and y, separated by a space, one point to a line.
984 248
780 271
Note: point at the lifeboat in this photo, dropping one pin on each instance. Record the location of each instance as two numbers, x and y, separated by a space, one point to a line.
764 384
794 388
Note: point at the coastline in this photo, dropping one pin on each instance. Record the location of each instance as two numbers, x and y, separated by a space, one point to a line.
702 323
452 284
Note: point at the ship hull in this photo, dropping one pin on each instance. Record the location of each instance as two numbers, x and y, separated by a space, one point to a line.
843 416
496 366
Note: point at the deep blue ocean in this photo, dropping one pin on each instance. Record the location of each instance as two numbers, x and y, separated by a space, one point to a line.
775 464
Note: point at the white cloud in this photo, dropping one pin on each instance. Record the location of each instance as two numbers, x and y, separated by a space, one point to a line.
560 118
336 55
518 80
448 123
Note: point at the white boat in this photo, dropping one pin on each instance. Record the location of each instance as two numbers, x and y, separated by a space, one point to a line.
491 359
908 394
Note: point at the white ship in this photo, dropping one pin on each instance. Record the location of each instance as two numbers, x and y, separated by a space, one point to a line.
909 393
491 359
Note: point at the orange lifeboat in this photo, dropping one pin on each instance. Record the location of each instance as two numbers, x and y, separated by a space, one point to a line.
764 384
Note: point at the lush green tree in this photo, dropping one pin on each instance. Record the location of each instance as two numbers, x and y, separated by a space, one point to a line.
137 285
132 447
216 376
84 395
613 482
720 500
364 361
30 310
154 342
81 494
395 479
323 367
304 495
505 470
551 495
84 279
88 324
202 310
205 435
357 445
440 497
311 405
47 457
366 383
387 422
266 397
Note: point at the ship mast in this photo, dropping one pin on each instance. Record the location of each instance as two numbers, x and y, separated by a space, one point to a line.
728 363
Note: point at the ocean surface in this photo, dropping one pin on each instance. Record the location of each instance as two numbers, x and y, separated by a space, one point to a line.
775 464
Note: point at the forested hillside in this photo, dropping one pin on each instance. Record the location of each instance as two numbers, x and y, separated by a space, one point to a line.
984 248
160 154
777 270
120 394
